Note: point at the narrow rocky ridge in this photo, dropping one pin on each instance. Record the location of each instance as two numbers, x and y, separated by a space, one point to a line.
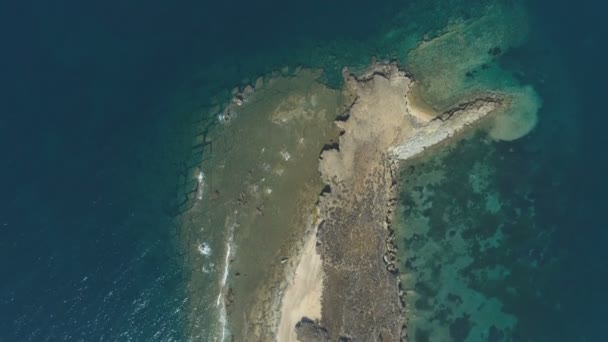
361 290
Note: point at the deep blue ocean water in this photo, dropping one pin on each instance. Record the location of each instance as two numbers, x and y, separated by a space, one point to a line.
578 33
86 244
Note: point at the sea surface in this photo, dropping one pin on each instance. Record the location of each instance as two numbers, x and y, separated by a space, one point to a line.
102 104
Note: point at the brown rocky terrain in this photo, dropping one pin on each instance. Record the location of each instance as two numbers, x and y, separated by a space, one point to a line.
360 298
361 294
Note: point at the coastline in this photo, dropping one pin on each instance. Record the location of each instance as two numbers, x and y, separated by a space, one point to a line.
268 185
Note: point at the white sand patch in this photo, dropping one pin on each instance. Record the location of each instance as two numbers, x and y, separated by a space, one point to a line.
303 295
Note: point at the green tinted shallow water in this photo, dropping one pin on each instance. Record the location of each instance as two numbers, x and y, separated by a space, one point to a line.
455 227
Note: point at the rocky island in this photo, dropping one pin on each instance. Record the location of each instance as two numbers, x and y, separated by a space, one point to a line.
302 176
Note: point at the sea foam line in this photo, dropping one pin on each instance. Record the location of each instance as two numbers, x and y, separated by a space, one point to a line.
220 303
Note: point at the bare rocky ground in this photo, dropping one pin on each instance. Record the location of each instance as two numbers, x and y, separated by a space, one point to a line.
361 298
361 292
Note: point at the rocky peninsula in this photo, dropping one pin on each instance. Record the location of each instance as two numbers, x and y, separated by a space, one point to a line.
360 297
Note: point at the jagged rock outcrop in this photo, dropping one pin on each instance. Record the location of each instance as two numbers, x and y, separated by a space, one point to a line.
308 330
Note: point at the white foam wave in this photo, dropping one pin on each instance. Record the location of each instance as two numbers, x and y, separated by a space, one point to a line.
201 185
220 302
204 249
208 268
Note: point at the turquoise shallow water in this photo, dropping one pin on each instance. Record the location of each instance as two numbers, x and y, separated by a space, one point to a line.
96 131
508 239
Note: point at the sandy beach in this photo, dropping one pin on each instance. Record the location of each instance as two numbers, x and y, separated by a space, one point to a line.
303 294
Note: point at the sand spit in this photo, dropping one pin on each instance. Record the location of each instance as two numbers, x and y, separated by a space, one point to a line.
361 296
302 297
